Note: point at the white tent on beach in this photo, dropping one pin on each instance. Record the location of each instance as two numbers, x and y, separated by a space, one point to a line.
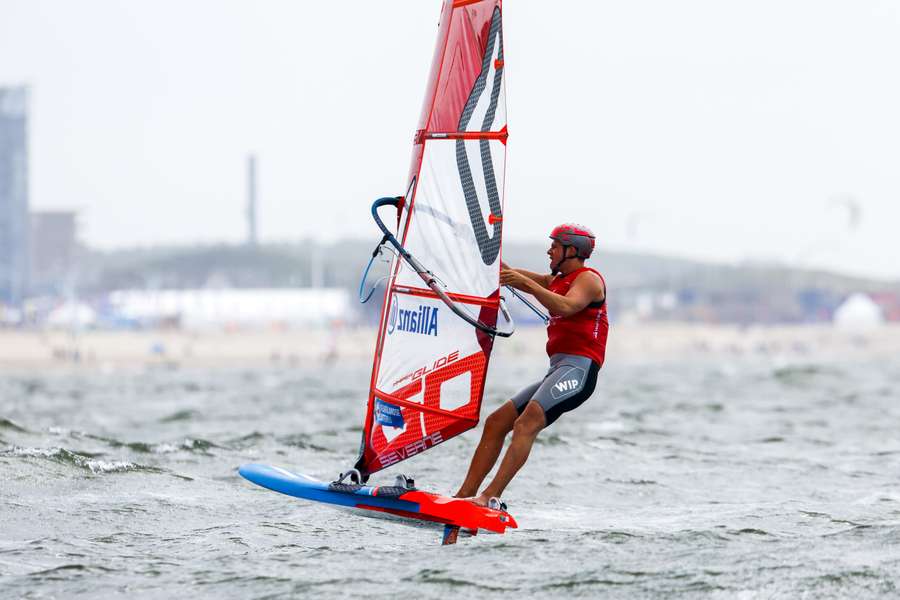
858 311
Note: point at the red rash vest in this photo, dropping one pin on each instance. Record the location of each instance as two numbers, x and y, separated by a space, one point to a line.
581 334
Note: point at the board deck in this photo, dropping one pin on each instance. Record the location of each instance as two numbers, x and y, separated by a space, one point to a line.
413 504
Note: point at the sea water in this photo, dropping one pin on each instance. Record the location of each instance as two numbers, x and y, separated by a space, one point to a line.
706 477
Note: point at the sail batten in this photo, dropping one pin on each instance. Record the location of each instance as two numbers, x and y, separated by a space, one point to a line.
462 298
465 135
420 407
437 323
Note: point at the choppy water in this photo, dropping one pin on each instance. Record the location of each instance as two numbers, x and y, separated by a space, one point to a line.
701 479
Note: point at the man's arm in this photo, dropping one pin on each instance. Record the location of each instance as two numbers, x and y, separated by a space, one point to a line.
541 279
587 288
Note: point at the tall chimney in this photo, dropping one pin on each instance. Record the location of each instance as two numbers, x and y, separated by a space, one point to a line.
251 201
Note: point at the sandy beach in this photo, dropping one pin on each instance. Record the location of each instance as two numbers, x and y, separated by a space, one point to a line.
26 350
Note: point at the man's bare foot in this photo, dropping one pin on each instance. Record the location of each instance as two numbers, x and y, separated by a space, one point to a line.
480 500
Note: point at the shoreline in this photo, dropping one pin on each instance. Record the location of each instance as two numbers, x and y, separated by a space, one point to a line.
628 343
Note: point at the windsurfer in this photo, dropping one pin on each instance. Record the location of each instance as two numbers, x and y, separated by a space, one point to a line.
575 296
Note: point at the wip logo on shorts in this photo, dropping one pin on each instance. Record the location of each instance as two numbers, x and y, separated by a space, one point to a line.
568 385
422 319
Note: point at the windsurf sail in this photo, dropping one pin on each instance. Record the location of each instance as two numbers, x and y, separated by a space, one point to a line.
442 299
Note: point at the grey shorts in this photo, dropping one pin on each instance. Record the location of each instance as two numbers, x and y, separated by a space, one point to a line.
568 383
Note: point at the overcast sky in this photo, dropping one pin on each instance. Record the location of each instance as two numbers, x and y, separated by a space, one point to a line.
714 129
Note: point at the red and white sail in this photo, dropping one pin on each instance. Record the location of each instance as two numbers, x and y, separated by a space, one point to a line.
430 365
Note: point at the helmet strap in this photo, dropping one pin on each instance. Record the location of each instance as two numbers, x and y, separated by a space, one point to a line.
555 270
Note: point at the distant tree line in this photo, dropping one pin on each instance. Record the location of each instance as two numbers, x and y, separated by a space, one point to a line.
695 291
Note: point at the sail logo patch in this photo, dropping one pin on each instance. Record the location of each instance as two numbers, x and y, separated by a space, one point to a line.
488 84
422 320
388 414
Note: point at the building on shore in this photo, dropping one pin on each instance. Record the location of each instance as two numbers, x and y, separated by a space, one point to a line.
14 223
54 244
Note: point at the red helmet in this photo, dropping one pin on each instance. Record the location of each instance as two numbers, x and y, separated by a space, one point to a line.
578 236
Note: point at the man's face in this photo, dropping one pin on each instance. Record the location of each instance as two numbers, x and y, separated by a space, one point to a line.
556 252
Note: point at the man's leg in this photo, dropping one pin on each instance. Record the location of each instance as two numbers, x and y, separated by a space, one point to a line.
525 430
496 426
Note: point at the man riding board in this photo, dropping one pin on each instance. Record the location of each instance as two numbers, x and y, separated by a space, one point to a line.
575 296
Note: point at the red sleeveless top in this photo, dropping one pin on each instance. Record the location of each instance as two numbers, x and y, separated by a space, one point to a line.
585 332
